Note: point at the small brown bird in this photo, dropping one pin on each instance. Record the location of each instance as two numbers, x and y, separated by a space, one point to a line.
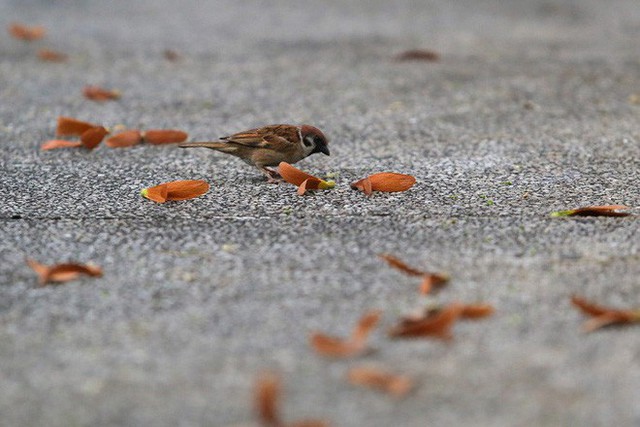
270 145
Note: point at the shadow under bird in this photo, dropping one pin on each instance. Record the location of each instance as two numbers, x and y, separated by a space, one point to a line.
270 145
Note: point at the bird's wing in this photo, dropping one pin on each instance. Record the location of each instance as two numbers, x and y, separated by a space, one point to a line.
276 137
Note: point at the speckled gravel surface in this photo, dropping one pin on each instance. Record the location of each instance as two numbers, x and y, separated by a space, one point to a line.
529 111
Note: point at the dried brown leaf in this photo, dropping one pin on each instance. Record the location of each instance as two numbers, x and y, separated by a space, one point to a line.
60 273
164 136
340 347
603 316
59 143
69 126
397 385
176 190
94 136
384 181
418 55
124 139
23 32
97 93
51 55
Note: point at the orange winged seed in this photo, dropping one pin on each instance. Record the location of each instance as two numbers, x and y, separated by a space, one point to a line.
124 139
365 325
171 55
176 190
346 347
384 181
400 265
292 174
97 93
391 182
432 280
588 307
603 316
157 193
94 136
59 143
436 324
309 184
69 126
308 423
303 187
418 55
23 32
188 189
605 210
397 385
363 185
477 311
164 136
267 399
63 272
297 177
329 346
51 55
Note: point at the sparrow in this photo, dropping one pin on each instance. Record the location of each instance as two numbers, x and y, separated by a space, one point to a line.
270 145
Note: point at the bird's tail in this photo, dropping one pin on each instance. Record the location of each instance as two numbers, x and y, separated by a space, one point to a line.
215 145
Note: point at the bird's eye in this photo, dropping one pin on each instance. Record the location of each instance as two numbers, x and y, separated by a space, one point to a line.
308 141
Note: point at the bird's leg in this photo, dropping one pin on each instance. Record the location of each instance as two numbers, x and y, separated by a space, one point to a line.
273 177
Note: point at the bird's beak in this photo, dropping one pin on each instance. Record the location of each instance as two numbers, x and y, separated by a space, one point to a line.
322 148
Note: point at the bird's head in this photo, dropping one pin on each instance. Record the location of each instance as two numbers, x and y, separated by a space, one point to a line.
313 140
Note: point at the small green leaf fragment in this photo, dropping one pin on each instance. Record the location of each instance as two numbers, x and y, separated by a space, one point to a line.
559 214
326 185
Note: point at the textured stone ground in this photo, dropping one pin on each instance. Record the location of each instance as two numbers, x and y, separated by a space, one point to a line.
527 112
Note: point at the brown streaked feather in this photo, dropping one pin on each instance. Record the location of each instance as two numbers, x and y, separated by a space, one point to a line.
271 137
266 146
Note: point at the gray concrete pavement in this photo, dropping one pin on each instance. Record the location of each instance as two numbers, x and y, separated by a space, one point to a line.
527 112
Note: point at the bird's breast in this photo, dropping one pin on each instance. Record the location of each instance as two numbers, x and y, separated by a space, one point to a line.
266 157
